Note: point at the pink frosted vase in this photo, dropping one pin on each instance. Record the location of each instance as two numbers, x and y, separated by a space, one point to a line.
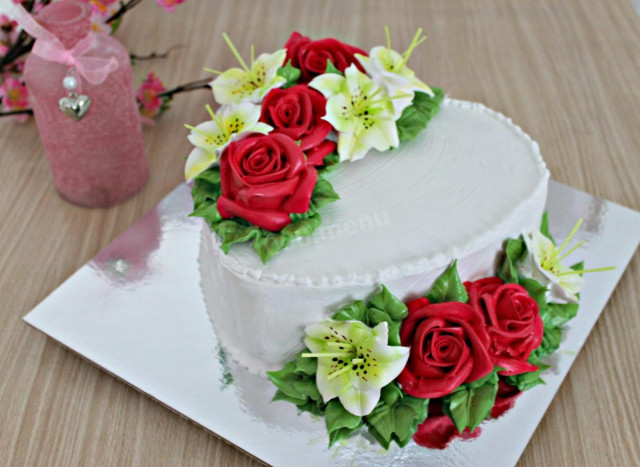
99 160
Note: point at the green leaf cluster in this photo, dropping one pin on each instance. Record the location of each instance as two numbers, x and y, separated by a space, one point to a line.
296 383
383 306
396 416
448 287
471 403
266 244
414 118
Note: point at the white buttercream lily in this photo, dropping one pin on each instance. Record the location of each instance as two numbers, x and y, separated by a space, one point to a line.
210 138
388 69
251 84
360 111
544 264
354 362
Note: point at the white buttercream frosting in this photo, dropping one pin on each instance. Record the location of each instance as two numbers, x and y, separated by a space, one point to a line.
458 190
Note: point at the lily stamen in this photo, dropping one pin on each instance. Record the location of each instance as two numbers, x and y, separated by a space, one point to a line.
211 70
417 40
585 271
235 52
335 374
578 245
568 239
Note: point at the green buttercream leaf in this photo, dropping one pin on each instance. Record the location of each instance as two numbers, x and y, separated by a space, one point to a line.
557 314
387 302
550 342
296 383
211 176
578 266
414 118
323 193
281 396
544 227
340 423
208 211
391 393
536 291
268 245
307 366
284 379
514 250
290 73
302 227
332 69
526 381
356 311
231 232
329 163
470 404
308 389
396 417
448 287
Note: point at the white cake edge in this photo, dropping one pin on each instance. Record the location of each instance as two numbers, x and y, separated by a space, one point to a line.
409 267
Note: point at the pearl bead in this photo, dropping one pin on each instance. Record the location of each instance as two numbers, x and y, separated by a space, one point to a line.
70 83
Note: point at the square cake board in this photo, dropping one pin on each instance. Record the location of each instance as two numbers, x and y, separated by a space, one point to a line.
137 311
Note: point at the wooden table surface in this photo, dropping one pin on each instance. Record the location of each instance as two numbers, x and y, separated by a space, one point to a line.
566 71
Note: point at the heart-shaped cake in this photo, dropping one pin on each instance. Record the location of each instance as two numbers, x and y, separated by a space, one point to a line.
462 186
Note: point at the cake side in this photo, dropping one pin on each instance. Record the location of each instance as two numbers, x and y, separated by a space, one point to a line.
259 312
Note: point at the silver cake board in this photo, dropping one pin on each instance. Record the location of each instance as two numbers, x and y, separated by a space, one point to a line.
137 311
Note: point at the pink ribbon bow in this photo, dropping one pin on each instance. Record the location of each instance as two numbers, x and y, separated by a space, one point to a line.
95 70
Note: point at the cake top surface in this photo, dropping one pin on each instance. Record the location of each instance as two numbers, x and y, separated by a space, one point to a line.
448 193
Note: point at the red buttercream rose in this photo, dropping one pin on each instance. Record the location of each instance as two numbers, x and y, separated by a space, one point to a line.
513 322
311 56
263 179
449 347
297 113
438 430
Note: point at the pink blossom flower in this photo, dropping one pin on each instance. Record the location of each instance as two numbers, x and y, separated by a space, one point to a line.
150 104
101 11
8 33
15 96
169 5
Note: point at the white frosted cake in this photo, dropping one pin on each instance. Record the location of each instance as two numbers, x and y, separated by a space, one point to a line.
457 191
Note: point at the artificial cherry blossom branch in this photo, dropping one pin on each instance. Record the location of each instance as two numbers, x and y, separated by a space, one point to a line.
155 55
191 86
169 93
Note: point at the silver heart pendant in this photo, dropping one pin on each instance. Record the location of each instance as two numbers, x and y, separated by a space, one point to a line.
75 106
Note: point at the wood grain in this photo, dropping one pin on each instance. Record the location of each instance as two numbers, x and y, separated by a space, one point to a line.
567 72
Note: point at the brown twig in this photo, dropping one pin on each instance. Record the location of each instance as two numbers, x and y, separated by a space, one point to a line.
122 10
192 86
155 55
23 45
8 113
